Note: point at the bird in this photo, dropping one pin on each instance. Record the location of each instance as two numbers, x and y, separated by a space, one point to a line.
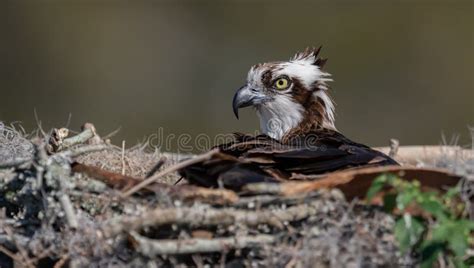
298 139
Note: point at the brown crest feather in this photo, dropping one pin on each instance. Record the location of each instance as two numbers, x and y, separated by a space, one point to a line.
311 52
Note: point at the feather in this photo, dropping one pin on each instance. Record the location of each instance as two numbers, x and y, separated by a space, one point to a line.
263 159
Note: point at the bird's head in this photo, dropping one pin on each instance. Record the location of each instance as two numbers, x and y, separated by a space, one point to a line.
290 97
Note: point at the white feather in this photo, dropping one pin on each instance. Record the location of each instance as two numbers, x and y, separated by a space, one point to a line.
304 70
279 116
329 104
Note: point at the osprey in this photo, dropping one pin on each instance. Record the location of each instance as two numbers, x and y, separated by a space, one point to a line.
299 137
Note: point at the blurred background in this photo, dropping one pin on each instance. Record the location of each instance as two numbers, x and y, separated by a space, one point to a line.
402 69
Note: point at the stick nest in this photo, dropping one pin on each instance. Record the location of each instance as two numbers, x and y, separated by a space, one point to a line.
52 216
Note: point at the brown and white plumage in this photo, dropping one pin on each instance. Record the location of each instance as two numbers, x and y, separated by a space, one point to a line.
298 125
302 105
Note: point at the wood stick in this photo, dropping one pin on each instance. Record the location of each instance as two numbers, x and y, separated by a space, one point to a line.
68 210
170 169
413 155
82 137
123 157
152 248
156 167
16 162
74 152
205 216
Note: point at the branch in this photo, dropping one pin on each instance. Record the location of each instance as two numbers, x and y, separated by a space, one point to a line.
205 216
68 210
152 248
59 141
15 162
413 155
74 152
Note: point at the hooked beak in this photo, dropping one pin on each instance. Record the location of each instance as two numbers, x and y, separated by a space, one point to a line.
247 96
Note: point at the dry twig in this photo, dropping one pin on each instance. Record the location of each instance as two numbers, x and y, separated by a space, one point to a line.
152 248
205 216
413 155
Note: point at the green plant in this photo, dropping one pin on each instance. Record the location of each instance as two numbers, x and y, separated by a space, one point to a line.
428 223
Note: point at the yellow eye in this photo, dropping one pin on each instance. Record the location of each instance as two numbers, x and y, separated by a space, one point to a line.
282 83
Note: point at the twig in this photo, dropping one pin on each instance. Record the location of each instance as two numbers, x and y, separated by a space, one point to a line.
153 248
95 139
74 152
69 211
412 155
77 139
394 145
69 153
123 157
10 254
111 134
25 260
170 169
39 123
259 201
156 167
15 162
61 262
205 216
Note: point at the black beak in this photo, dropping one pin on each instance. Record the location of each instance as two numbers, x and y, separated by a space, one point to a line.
243 97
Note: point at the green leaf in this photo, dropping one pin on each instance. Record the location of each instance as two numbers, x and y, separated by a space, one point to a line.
458 242
389 202
376 187
430 252
405 198
434 207
452 192
469 261
408 231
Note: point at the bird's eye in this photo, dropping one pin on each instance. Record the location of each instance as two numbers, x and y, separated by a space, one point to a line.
282 83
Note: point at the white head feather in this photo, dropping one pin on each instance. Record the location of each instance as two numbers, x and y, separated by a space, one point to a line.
280 115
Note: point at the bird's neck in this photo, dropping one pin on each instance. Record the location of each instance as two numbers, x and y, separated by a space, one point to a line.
287 120
280 116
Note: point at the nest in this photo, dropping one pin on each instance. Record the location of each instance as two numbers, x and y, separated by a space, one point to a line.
57 213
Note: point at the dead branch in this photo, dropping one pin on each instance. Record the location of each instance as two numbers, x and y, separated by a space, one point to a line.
156 167
394 146
414 155
152 248
170 169
59 141
80 138
263 200
68 210
56 139
200 216
75 152
95 139
15 162
191 193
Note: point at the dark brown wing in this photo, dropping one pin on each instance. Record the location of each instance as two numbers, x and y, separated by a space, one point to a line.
261 158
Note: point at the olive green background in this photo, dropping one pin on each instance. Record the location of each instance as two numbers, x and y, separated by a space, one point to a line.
402 69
